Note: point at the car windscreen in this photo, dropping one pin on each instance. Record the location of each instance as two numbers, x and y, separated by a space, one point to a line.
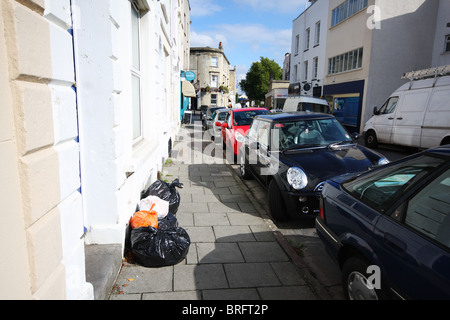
222 116
311 132
380 189
245 118
312 107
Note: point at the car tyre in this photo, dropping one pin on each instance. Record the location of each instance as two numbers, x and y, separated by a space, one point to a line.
243 166
277 207
355 283
371 139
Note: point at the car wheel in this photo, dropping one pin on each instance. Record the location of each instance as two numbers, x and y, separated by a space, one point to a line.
245 174
277 207
371 139
355 283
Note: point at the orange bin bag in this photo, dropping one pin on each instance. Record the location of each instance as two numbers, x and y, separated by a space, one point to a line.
145 219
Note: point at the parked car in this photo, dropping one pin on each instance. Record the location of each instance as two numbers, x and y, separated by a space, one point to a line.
397 220
306 103
416 115
215 125
207 116
293 154
236 125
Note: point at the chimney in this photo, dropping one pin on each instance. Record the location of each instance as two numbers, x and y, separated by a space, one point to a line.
220 46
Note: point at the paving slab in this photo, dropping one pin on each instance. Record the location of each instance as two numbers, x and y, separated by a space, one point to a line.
251 275
234 252
199 277
219 252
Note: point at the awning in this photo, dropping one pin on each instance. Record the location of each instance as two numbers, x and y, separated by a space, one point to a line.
188 89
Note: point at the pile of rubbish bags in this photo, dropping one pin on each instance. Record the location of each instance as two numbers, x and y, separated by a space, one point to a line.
154 238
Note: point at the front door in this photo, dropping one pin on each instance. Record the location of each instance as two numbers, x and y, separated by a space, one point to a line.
384 120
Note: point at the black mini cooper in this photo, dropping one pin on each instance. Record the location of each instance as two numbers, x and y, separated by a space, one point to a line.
293 154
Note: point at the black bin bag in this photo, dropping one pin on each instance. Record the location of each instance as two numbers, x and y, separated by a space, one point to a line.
165 246
165 191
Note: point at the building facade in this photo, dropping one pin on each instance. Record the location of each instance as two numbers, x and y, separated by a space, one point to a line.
91 103
364 48
309 42
216 82
371 43
277 95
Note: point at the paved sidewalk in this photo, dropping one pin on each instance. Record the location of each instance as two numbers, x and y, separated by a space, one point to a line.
235 253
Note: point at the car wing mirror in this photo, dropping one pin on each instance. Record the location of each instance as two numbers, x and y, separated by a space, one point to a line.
376 111
218 124
225 125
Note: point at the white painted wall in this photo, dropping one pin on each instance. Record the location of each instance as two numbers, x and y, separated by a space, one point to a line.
108 153
443 19
308 19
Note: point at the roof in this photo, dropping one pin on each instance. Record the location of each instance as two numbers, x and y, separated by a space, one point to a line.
246 109
299 115
442 150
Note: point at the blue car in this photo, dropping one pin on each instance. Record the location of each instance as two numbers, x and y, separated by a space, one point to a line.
389 228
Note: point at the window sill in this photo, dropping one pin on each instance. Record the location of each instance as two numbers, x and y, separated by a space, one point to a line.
142 152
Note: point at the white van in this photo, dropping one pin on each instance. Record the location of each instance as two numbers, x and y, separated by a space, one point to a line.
416 115
306 103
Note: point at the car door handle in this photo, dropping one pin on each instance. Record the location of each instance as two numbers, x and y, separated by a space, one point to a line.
390 118
394 242
400 118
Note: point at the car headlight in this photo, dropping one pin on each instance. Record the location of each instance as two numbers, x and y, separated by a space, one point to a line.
297 178
383 161
238 136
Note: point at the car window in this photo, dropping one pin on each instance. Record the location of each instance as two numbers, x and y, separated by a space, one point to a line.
228 119
253 132
245 118
389 106
222 116
428 211
312 107
380 189
264 133
307 132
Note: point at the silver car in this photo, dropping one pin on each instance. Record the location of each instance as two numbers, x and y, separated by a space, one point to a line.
218 116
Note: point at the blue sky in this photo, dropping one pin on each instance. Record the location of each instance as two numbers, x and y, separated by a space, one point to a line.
248 29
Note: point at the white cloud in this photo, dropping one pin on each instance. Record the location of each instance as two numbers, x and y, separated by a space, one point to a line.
257 37
202 8
207 39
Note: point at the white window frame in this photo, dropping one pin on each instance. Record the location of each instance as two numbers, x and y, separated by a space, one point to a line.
307 38
214 99
135 71
317 34
214 62
347 61
214 81
315 67
297 44
305 70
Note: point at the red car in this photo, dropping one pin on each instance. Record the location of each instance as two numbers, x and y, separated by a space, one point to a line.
236 125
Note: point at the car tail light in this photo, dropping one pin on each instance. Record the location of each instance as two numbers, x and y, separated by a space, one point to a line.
321 211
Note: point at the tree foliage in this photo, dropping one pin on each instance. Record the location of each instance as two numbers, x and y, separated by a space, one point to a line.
256 83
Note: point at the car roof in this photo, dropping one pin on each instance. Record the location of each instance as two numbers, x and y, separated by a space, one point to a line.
299 115
222 110
442 150
246 109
